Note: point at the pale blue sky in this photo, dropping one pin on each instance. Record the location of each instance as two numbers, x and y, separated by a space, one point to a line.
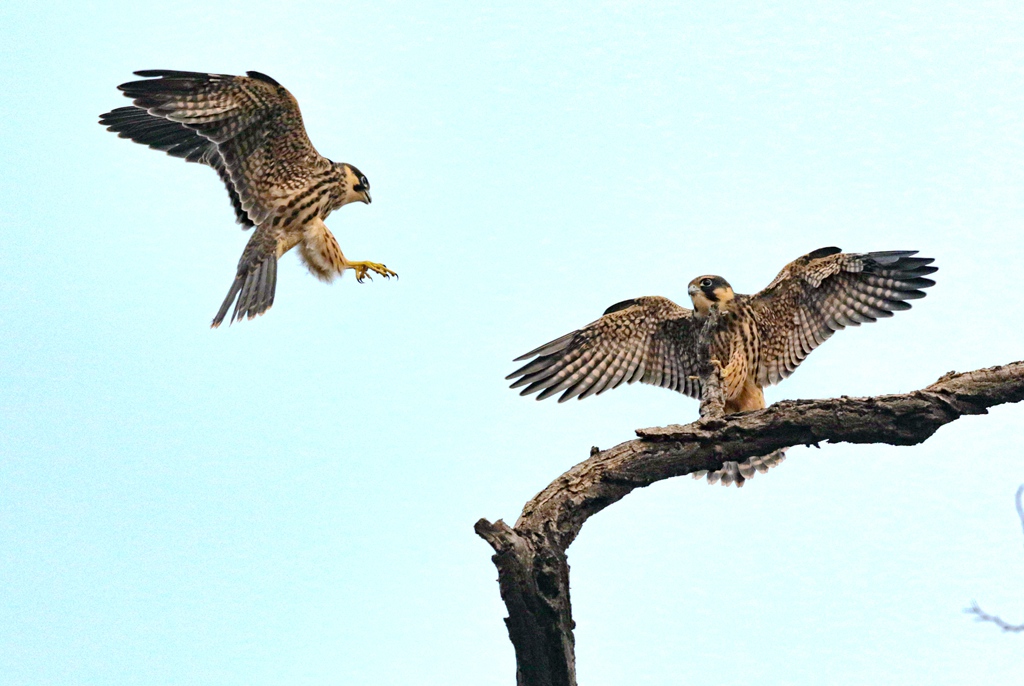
290 500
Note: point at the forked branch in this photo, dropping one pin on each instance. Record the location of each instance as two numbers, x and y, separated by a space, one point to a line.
533 573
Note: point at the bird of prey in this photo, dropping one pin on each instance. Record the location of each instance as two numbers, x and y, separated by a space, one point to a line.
758 339
249 129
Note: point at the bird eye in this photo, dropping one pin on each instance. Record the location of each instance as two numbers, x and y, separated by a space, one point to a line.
363 182
705 283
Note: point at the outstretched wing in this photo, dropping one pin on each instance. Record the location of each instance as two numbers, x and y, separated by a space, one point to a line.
176 140
827 290
650 339
253 121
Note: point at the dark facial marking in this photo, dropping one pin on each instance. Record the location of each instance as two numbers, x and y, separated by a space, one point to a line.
363 185
711 284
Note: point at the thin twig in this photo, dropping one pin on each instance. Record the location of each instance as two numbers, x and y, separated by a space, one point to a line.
974 609
982 616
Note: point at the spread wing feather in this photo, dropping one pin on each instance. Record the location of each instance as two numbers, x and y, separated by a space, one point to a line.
253 121
649 339
826 290
177 140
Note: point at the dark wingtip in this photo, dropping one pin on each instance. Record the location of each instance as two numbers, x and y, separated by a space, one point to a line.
823 252
892 253
620 306
172 72
261 77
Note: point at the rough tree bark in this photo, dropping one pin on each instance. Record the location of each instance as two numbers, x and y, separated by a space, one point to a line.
533 573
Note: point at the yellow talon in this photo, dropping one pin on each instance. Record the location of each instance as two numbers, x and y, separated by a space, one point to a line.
363 269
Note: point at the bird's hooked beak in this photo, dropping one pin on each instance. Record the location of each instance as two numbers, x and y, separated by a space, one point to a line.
366 197
693 289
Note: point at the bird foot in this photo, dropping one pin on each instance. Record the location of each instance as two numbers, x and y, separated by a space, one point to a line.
363 269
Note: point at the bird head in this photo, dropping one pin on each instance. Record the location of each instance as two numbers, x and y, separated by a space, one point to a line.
709 290
358 186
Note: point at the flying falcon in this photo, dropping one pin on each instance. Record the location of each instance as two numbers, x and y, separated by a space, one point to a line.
249 129
759 339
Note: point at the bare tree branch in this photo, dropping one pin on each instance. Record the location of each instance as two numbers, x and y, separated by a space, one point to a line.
533 573
984 617
974 609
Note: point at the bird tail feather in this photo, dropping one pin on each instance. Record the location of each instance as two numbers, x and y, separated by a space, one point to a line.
740 472
254 286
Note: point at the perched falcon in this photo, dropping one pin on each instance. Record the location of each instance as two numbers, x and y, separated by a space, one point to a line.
758 339
249 129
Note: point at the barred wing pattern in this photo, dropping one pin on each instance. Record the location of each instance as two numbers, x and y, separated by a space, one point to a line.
177 140
824 291
649 339
254 122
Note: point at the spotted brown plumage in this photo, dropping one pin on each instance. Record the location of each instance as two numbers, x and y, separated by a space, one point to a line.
758 340
645 339
250 130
